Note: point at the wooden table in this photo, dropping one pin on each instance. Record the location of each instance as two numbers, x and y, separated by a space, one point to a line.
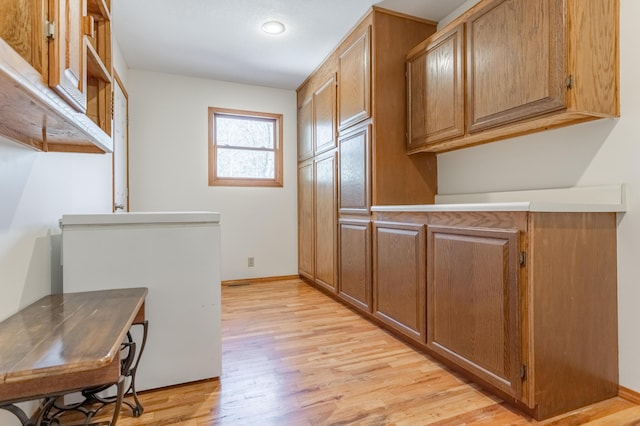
66 343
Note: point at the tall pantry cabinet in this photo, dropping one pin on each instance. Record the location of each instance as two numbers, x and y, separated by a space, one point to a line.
351 152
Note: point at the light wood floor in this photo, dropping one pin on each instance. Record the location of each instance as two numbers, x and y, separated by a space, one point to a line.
292 356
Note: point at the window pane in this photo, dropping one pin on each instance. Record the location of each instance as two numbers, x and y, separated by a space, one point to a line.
240 163
245 132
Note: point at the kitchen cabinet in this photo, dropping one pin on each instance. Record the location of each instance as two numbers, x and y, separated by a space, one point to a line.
21 27
530 66
355 263
523 302
99 64
305 130
324 116
49 73
355 102
399 277
435 90
354 72
306 258
325 220
526 63
354 177
473 300
67 59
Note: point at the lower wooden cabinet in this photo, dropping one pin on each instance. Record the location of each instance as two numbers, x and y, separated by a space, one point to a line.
325 220
306 241
399 277
524 303
354 273
473 303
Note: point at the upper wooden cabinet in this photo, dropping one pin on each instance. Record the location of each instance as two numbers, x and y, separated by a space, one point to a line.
305 130
21 29
354 75
324 116
317 116
354 174
56 74
530 66
99 63
435 90
515 62
370 67
67 58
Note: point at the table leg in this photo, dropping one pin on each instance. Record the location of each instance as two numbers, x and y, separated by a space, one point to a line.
19 413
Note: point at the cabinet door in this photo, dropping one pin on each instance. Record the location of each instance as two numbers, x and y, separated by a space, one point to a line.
305 220
472 302
67 56
355 263
435 91
515 62
399 277
305 130
324 116
354 81
21 28
354 176
325 213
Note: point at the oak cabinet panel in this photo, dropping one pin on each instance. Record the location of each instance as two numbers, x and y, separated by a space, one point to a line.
305 220
399 277
67 58
354 177
355 263
324 116
529 66
435 90
21 27
524 302
573 288
354 75
325 213
516 62
305 130
472 302
354 103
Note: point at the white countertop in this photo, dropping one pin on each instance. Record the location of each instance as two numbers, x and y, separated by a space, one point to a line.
603 198
140 218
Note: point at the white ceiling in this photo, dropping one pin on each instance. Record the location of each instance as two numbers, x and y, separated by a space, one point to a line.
222 39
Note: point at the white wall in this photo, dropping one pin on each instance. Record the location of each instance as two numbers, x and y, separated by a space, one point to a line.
119 63
168 167
605 151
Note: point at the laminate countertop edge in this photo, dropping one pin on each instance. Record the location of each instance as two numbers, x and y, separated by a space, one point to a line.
602 198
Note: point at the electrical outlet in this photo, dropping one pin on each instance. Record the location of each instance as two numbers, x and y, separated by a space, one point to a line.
250 262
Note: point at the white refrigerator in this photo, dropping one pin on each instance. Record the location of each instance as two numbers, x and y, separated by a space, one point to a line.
176 255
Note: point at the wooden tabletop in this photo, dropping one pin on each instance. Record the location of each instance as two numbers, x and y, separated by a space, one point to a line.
65 341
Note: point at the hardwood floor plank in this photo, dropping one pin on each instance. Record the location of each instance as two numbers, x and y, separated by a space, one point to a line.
294 357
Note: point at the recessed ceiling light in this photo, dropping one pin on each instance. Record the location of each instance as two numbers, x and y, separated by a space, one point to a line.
273 27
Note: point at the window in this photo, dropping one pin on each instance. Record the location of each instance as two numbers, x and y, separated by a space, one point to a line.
245 148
